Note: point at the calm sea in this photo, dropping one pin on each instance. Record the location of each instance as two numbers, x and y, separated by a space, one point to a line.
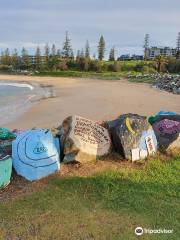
14 100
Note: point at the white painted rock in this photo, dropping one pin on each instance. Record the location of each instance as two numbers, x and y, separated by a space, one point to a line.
84 140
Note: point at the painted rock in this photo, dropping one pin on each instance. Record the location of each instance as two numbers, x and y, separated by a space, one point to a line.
167 130
132 136
83 139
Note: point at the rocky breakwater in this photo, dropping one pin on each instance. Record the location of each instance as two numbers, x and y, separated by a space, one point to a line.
169 83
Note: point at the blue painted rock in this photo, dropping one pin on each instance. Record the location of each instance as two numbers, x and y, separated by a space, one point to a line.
35 154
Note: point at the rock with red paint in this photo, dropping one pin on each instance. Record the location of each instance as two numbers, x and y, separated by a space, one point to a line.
83 139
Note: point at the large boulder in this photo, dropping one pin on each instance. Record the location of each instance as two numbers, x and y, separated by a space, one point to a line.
167 129
83 139
6 138
132 136
35 154
5 168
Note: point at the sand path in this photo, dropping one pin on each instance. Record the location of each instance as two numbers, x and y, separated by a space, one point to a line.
94 99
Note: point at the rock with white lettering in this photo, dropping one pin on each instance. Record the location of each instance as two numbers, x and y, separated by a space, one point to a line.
83 140
132 136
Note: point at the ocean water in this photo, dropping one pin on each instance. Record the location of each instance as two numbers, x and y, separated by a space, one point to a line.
16 98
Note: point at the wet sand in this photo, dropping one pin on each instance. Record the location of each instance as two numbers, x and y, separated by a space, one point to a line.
94 99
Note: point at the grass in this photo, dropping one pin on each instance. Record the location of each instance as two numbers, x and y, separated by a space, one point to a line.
142 80
108 206
103 75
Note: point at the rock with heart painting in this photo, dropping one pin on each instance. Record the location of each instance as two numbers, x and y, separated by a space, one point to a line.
83 139
132 136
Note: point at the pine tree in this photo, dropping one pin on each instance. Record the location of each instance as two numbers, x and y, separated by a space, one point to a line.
59 53
112 54
78 54
87 50
53 57
15 59
47 53
178 47
2 58
67 49
101 48
72 54
25 59
82 53
38 58
146 46
7 57
53 50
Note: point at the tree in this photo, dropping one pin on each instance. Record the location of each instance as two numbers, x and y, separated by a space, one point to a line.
47 53
161 63
38 61
112 54
59 53
67 49
25 59
53 50
7 57
178 47
87 50
72 55
78 54
82 53
101 48
15 59
53 58
146 46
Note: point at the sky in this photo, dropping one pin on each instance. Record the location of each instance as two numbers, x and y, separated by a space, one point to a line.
123 23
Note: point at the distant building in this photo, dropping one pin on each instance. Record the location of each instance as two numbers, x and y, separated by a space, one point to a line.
32 59
124 57
137 57
153 52
128 57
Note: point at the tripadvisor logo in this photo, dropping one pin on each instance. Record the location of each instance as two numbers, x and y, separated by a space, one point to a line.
139 231
40 148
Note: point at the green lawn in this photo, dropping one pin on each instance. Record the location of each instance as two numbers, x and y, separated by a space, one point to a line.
149 80
108 206
103 75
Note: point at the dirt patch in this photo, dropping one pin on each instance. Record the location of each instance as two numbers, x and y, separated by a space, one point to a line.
20 187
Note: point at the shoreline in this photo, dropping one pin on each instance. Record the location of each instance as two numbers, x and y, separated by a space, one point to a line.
36 92
94 99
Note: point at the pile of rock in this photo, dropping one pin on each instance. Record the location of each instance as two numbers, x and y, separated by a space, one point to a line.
169 83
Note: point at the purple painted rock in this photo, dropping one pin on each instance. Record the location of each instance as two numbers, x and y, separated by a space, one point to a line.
167 131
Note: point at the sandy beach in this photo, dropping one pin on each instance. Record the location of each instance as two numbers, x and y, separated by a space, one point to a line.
94 99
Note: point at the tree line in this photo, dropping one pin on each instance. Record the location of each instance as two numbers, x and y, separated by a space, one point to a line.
53 58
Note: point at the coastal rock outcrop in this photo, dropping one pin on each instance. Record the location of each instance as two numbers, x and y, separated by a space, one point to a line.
169 83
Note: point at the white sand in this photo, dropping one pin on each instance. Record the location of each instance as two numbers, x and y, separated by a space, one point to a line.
94 99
